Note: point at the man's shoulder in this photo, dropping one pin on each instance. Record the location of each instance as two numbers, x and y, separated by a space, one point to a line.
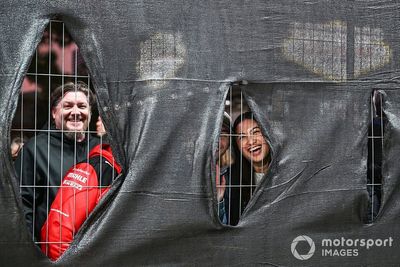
43 139
93 141
37 140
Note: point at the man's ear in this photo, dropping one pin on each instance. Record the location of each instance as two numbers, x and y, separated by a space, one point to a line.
90 114
53 113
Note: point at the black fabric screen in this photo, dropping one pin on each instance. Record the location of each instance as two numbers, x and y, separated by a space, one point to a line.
161 70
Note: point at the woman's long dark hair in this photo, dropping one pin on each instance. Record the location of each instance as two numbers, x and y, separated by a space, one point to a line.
245 116
243 184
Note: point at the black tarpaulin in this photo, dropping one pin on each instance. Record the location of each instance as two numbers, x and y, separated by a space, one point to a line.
161 71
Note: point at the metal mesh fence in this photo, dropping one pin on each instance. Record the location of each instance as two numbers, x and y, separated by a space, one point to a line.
57 62
234 166
375 152
59 143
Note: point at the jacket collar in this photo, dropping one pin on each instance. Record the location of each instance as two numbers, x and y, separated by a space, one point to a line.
58 134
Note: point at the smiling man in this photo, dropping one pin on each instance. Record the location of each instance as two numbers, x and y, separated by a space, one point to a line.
46 158
71 110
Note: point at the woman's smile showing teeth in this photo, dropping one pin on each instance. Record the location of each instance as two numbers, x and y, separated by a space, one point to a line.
254 149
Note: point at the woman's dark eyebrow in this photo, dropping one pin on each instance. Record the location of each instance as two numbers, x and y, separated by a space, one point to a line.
251 130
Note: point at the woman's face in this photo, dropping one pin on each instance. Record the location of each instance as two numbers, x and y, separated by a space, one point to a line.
252 143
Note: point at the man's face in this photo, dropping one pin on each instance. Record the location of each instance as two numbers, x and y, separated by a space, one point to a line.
251 142
72 113
223 141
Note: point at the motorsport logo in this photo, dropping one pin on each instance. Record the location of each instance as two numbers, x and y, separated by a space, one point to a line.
303 247
296 241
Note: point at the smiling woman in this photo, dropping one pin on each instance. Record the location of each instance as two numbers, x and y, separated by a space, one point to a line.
252 144
253 159
244 157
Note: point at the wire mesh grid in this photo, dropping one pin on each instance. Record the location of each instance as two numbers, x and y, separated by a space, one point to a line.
61 154
244 157
337 50
375 152
57 62
232 163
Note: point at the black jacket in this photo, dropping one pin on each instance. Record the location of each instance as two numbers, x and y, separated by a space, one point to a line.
41 166
240 188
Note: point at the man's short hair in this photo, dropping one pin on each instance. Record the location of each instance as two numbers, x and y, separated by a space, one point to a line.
60 91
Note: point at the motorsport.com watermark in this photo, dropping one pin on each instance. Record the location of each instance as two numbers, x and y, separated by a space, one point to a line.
338 247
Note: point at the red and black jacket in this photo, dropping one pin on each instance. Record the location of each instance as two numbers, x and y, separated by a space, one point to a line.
81 189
